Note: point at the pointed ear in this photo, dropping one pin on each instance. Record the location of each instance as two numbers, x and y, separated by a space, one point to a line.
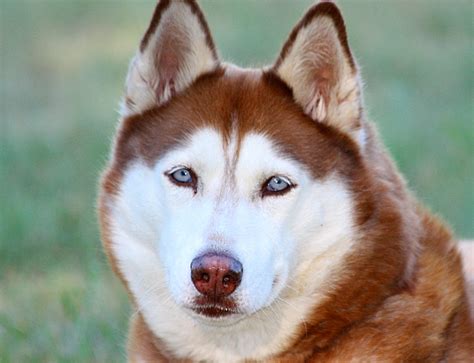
176 49
318 66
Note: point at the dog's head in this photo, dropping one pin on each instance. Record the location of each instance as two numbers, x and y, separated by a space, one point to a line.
231 189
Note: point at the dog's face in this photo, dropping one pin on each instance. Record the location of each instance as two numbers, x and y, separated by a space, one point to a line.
228 188
233 201
230 185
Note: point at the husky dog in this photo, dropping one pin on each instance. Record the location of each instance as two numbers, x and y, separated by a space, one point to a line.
253 215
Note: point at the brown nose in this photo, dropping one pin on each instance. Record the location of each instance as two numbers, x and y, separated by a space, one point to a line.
216 275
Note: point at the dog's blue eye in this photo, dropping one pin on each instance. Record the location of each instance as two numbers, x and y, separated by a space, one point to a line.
182 175
276 185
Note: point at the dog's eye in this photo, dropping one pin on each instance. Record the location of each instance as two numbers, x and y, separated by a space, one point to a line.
183 177
276 185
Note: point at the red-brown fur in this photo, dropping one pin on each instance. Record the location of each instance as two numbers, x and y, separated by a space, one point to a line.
400 298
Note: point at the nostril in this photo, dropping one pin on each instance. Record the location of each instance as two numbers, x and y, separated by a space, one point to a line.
226 280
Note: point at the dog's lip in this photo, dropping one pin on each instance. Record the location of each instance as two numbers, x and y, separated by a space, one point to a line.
214 308
214 311
228 319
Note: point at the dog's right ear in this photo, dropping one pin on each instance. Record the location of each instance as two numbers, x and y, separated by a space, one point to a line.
317 64
175 50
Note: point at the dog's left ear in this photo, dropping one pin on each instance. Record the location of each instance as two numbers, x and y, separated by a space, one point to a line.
176 49
316 63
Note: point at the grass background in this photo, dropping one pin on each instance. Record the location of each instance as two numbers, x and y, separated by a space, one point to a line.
62 69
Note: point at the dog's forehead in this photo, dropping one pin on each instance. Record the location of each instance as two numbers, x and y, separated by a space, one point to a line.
235 103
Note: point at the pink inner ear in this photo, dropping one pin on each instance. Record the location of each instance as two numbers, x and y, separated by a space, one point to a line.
316 108
318 104
167 63
167 66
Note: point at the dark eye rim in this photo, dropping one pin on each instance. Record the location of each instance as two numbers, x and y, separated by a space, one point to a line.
270 193
192 184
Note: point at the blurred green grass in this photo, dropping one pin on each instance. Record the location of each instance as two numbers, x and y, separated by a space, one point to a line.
62 68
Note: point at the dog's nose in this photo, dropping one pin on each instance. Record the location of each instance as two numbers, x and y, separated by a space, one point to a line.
216 275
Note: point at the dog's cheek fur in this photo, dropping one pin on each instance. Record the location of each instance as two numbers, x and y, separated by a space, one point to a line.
314 210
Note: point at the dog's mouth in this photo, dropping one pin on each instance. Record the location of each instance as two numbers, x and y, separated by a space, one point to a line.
214 309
